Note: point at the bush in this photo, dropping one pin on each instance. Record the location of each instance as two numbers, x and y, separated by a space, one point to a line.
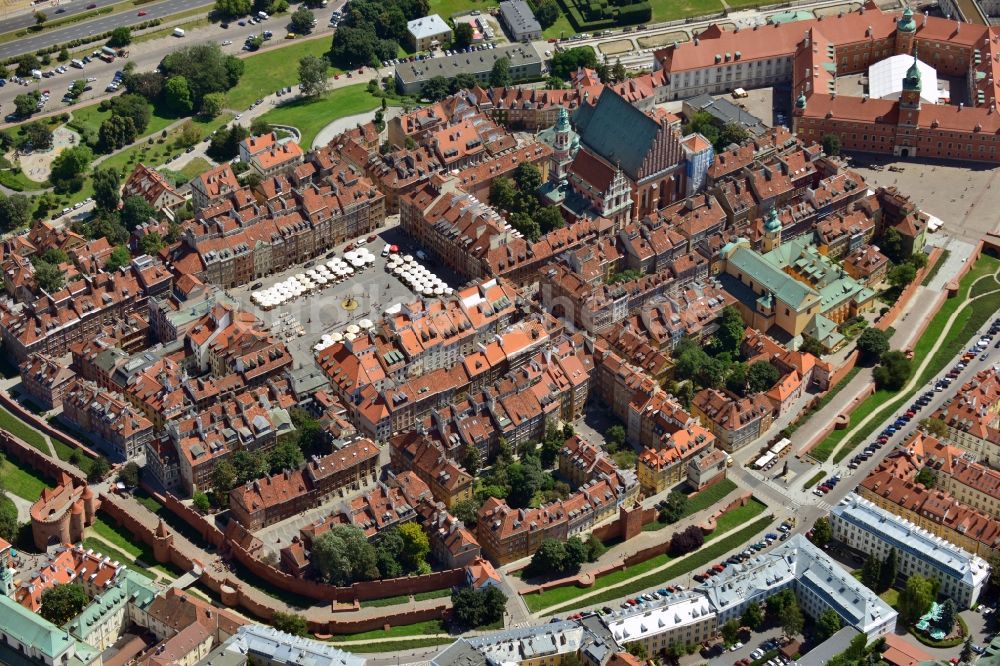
689 540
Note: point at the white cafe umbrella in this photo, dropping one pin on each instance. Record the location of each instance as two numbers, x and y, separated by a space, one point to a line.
366 323
353 328
336 336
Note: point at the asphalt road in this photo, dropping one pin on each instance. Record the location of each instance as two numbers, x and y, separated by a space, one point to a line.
98 25
72 7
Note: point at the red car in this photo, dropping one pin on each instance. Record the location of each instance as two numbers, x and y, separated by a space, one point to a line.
372 238
349 246
142 13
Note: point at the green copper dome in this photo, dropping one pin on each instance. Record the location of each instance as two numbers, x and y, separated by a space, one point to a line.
772 224
800 102
912 79
906 22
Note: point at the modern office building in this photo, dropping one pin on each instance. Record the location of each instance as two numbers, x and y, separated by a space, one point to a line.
870 529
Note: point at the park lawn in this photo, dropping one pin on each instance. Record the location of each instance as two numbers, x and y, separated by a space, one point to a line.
387 601
705 555
399 631
22 482
448 8
115 535
969 320
196 166
274 68
745 4
733 518
65 451
104 549
670 10
813 480
432 594
708 497
310 116
559 595
18 182
148 501
561 28
87 121
22 430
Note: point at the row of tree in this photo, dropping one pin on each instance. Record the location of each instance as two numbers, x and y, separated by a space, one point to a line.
372 30
518 197
557 558
343 555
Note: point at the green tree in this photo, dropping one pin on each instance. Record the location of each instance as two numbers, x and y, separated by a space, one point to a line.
69 166
893 371
934 426
37 135
821 531
730 334
152 243
8 519
477 608
547 13
901 275
260 127
761 376
15 212
40 18
565 63
503 193
618 72
892 245
302 21
918 260
63 54
638 650
548 560
312 76
107 185
703 123
416 547
136 211
286 455
525 479
212 105
831 144
120 36
871 572
233 8
753 616
26 63
129 474
614 437
62 603
812 346
114 133
948 614
343 556
500 74
673 507
925 477
177 95
290 623
914 599
462 35
98 469
730 631
553 82
827 624
49 277
792 620
872 343
466 511
223 480
201 502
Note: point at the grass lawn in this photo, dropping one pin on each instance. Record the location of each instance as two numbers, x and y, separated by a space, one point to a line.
433 594
87 121
733 518
22 482
448 8
22 430
273 68
401 631
104 549
970 319
310 116
65 451
890 596
936 267
194 167
398 646
701 501
18 181
669 10
147 501
559 595
387 601
115 535
561 28
813 480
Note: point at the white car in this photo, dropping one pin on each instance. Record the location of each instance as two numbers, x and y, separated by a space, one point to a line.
736 646
227 42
